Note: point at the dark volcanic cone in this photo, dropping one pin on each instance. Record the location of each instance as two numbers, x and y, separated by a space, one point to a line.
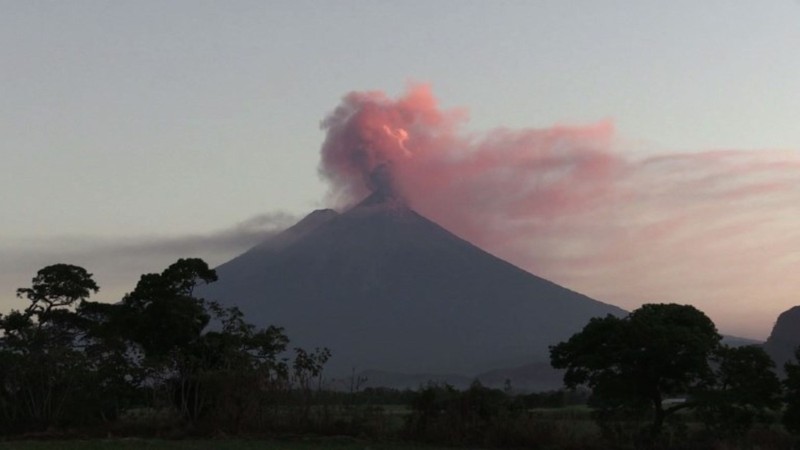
385 288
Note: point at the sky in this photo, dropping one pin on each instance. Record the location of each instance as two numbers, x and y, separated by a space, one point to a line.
135 133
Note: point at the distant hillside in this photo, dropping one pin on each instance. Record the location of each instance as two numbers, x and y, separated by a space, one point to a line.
735 341
785 337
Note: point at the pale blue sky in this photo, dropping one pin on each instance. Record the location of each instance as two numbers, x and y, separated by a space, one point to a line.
153 118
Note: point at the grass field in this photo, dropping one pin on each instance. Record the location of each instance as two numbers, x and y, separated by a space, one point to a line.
208 444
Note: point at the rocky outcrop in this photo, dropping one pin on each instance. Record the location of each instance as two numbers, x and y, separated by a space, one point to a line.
785 337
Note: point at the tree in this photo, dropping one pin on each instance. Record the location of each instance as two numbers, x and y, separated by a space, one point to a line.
67 360
306 367
478 415
161 314
201 368
744 389
226 371
791 415
59 285
54 293
41 359
634 364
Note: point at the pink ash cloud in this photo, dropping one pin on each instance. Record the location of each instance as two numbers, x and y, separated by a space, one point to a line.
715 228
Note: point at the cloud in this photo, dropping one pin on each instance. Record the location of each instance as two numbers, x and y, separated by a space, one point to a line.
117 263
715 228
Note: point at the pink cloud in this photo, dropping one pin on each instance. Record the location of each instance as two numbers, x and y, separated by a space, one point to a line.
713 228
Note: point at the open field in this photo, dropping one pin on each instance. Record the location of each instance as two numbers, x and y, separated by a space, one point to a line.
208 444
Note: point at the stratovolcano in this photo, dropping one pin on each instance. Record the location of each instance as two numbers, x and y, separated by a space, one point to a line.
387 289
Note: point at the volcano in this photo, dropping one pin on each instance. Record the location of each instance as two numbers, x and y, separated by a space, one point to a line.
387 289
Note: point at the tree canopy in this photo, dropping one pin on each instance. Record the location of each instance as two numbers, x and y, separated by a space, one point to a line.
660 359
65 359
791 416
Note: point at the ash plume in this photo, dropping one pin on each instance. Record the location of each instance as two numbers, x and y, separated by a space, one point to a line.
578 205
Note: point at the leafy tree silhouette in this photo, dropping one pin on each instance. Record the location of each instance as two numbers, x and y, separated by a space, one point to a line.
636 365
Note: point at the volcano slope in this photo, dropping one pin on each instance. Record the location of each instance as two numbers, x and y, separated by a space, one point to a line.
387 289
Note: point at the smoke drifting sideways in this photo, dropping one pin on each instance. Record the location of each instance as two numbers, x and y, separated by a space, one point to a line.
118 262
577 205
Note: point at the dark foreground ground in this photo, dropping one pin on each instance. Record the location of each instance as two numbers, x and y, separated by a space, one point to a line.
209 444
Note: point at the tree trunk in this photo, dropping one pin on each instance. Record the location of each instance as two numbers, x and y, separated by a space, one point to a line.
658 417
